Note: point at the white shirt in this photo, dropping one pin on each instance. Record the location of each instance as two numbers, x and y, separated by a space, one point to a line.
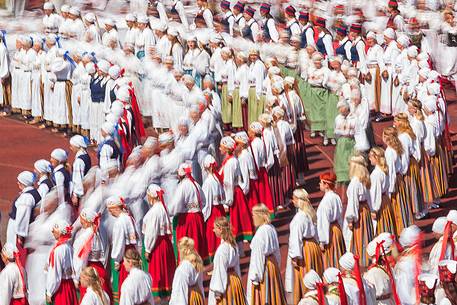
185 277
24 211
214 194
136 289
156 223
123 235
62 269
91 298
330 210
11 286
379 187
78 174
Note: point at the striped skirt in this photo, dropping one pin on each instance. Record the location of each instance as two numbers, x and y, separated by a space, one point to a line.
400 198
362 234
301 164
195 296
271 290
335 249
234 295
237 114
385 217
447 154
426 178
290 170
226 106
439 169
412 179
275 178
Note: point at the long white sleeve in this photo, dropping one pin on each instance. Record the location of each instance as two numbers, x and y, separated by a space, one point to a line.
24 209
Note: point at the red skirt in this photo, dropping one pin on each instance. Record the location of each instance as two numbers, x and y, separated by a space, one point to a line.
122 272
211 239
104 276
263 187
21 301
275 174
162 265
301 162
192 225
66 294
253 195
241 216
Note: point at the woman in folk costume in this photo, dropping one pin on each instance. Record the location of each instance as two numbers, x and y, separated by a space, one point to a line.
201 64
240 93
137 286
186 209
187 286
324 39
389 57
329 222
123 237
97 91
409 265
91 281
410 163
43 169
358 54
398 103
257 73
358 225
442 249
286 135
191 55
214 208
383 213
16 76
372 68
230 177
26 80
315 294
13 290
145 37
225 286
90 248
345 124
357 288
264 276
304 252
379 274
158 249
92 32
37 67
60 288
397 186
249 168
261 150
336 291
85 99
228 71
61 175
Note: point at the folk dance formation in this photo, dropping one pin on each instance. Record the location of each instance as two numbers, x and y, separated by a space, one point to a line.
198 124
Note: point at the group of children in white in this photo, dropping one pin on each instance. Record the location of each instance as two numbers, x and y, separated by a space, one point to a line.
140 226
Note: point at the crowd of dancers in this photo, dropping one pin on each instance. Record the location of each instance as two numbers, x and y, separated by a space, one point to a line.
226 99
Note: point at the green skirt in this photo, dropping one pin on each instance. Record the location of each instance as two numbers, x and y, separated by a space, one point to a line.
226 106
237 114
115 282
343 152
255 106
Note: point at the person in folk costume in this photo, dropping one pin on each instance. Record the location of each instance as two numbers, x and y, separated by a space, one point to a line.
335 78
398 104
427 284
360 110
201 65
358 54
92 33
28 59
16 74
397 186
230 176
342 45
5 77
97 91
345 124
324 41
60 175
408 76
78 70
304 253
257 74
358 225
228 71
163 44
65 22
36 79
60 288
108 149
292 26
90 249
270 33
13 290
186 209
447 274
315 294
379 274
389 57
80 167
43 169
112 85
132 31
381 203
336 291
329 222
137 286
145 37
286 135
240 93
189 58
51 20
249 168
225 286
410 165
264 277
396 20
240 21
306 30
176 50
123 238
409 265
204 17
77 28
251 30
22 210
228 20
110 33
442 249
158 249
357 288
371 70
93 283
187 288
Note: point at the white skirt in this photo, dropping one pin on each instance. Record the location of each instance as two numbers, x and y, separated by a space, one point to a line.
75 106
37 109
15 88
96 120
386 93
160 110
60 113
48 103
84 109
26 91
370 90
398 104
150 96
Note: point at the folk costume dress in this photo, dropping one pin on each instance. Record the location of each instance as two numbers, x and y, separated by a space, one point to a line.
12 288
303 246
249 171
344 131
187 286
264 276
381 203
136 288
259 151
225 279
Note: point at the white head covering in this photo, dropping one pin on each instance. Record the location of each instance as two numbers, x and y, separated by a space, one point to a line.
123 94
265 118
289 80
59 154
74 11
256 127
153 190
434 88
389 33
347 261
117 109
430 280
78 141
43 166
26 178
183 167
103 65
371 35
48 6
142 19
109 21
208 161
114 72
429 103
114 201
90 17
403 40
311 279
228 142
108 128
130 17
9 250
278 111
90 67
331 275
63 226
439 224
412 51
452 216
166 137
88 214
409 236
274 70
65 8
242 137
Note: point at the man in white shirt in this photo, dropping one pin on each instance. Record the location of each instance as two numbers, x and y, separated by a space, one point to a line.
270 33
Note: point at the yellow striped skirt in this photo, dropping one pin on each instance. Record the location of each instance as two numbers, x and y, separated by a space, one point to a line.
195 296
234 295
271 290
400 198
385 217
413 181
362 234
335 249
426 178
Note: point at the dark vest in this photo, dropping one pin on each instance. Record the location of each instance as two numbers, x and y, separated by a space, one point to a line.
288 29
266 31
247 32
226 24
36 197
66 182
304 41
341 49
48 182
354 54
87 162
97 91
321 46
116 152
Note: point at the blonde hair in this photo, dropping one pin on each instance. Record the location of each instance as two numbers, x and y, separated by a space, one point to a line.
358 168
378 154
416 104
403 125
226 230
304 203
185 246
262 211
94 282
390 138
195 259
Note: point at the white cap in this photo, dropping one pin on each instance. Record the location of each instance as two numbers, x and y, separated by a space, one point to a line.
347 261
256 127
274 70
110 22
166 138
430 280
90 17
452 216
242 137
153 190
412 51
78 141
43 166
434 88
65 8
311 279
278 111
48 6
90 68
403 40
123 94
317 56
389 33
289 80
114 72
331 275
74 11
26 178
429 103
424 72
228 142
451 265
183 168
439 224
103 66
114 201
130 17
409 236
117 109
108 128
88 214
371 34
342 104
209 161
63 226
266 118
9 250
142 19
59 154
